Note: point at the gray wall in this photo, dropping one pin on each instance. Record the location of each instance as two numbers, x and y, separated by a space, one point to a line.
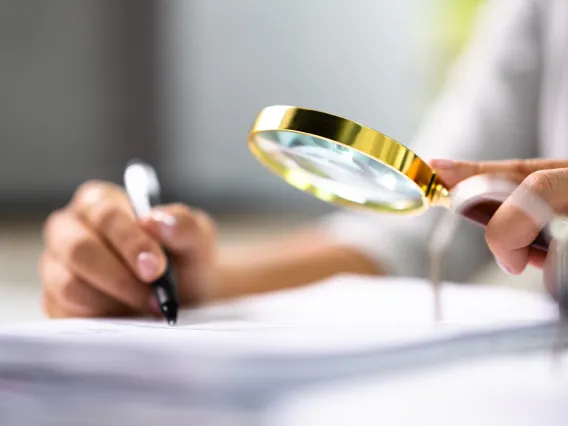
76 94
224 60
86 85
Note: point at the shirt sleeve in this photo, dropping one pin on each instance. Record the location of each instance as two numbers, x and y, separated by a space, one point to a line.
488 110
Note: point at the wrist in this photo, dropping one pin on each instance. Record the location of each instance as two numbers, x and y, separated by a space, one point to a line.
224 281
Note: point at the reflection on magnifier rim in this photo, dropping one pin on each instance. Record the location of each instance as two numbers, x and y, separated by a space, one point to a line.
352 135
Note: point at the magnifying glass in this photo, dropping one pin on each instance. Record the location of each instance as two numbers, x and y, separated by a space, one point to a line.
347 164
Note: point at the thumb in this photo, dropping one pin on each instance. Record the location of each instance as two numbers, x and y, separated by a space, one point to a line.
180 229
452 172
189 235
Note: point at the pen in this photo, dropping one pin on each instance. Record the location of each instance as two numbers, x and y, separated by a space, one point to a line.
143 189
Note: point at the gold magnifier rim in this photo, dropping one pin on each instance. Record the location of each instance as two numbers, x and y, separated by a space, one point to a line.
350 134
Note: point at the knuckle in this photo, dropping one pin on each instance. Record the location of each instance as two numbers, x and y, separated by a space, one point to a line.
180 210
92 192
89 189
205 223
68 287
81 249
542 181
522 167
184 216
126 236
191 220
52 223
104 215
134 242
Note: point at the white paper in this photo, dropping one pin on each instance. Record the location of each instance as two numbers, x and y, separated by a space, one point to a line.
367 301
351 302
516 390
340 314
229 346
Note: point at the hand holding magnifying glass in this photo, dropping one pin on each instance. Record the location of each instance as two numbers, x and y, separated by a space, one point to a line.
539 202
511 230
345 163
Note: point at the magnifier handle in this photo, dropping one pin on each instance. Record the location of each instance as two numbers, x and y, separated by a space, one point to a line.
481 212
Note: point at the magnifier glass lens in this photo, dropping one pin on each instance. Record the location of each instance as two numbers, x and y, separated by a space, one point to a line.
338 169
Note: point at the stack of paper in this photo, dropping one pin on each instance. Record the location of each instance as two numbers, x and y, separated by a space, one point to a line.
232 361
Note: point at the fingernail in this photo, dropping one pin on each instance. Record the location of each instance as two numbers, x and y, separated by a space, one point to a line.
166 221
147 265
442 164
503 267
154 305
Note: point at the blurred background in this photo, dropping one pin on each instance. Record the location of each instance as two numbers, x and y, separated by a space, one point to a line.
87 85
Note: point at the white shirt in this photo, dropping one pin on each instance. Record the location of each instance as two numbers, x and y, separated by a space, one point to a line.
507 97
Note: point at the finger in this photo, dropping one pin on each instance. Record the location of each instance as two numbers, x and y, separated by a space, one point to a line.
75 295
537 258
86 256
452 172
507 234
50 307
520 219
190 236
182 230
106 210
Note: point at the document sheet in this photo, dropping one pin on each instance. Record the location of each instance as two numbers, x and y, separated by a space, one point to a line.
251 351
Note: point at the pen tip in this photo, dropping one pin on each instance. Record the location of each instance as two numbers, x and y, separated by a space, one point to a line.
170 312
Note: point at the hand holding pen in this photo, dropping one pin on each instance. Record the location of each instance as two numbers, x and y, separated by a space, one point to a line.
143 190
100 258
